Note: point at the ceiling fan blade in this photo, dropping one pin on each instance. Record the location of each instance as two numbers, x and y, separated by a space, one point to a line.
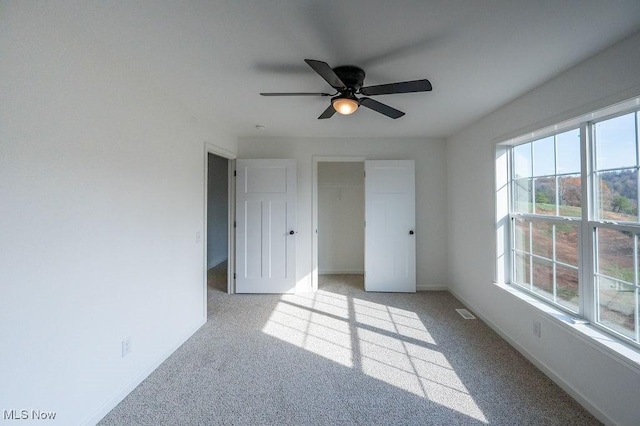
403 87
296 94
327 73
381 108
328 113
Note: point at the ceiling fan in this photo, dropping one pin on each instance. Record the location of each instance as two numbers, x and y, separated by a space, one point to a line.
348 81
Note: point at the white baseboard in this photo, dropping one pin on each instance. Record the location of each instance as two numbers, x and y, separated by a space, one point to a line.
431 287
340 271
556 378
126 390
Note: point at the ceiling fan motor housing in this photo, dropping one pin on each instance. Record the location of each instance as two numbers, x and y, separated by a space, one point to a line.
351 76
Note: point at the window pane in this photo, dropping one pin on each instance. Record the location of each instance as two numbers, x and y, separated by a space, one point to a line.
522 264
615 254
546 196
570 195
522 194
617 307
543 278
618 195
568 147
616 142
544 157
567 243
522 161
522 235
567 287
543 239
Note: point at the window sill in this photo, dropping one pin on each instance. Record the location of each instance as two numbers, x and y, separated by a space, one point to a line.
589 334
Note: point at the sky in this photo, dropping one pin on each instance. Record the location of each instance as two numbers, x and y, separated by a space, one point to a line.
615 144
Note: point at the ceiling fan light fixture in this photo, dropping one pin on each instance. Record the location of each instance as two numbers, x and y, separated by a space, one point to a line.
345 105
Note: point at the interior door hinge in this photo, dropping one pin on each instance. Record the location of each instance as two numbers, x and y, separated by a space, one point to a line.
235 173
234 275
235 224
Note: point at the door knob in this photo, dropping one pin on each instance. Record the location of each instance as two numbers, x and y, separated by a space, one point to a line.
411 232
291 232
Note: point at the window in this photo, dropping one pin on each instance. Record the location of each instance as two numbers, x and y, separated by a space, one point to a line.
547 205
616 225
574 231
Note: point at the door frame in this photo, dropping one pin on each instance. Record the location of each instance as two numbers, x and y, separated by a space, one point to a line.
210 148
314 207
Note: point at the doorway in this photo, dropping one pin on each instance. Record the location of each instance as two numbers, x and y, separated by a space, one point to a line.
217 222
219 211
388 224
340 223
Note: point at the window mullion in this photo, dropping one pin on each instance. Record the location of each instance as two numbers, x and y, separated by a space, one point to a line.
586 279
555 265
553 227
637 116
530 255
635 239
511 201
635 282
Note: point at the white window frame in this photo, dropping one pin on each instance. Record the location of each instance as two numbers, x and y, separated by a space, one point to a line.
587 251
541 218
596 222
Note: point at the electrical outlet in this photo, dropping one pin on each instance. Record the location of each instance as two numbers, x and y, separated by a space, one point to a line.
126 346
536 329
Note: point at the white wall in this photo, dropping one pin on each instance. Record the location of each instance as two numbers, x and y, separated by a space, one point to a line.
102 194
609 387
429 154
341 217
217 210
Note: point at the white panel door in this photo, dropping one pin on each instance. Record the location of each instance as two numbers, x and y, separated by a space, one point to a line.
266 226
390 241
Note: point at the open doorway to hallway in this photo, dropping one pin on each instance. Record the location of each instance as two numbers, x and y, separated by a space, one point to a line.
217 224
341 224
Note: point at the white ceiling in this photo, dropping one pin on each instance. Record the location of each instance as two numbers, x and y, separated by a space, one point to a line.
214 57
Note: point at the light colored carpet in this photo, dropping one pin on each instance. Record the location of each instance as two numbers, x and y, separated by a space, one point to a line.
343 356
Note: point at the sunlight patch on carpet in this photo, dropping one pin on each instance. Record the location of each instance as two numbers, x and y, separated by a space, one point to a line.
386 343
